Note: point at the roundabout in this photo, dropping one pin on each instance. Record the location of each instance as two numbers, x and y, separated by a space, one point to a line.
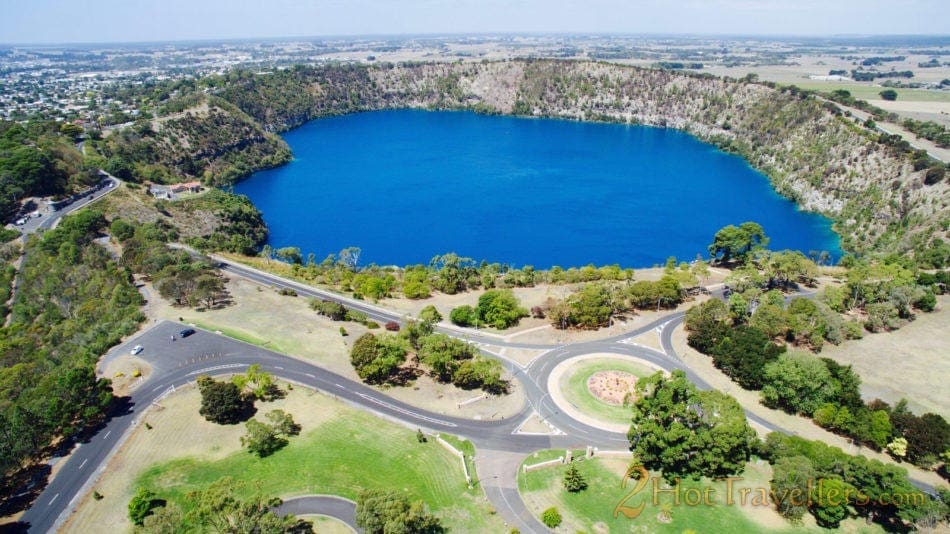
599 388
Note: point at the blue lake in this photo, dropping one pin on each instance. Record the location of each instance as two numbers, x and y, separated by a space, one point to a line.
407 185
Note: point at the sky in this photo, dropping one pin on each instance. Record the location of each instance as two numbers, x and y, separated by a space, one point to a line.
67 21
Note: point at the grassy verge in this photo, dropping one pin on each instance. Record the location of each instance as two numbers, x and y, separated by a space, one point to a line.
593 510
238 335
574 388
342 456
468 449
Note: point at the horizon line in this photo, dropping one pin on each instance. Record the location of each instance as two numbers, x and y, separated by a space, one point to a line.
431 35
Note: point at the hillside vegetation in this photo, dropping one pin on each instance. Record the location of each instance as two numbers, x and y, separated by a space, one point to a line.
869 186
882 195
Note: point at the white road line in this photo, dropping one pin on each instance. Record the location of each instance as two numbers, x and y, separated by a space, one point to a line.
404 411
53 499
107 434
340 386
217 368
310 375
278 367
83 463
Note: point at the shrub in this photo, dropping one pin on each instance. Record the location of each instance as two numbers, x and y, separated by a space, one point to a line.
287 292
888 94
464 315
551 517
935 174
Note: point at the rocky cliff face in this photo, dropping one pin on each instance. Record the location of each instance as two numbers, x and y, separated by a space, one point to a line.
823 161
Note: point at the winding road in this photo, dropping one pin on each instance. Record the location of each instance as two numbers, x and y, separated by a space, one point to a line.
499 448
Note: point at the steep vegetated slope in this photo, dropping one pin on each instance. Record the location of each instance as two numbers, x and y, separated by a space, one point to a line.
200 136
827 163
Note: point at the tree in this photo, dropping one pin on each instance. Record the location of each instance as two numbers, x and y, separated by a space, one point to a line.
589 307
444 354
686 433
258 383
350 257
223 402
376 360
262 439
829 501
379 512
551 517
791 478
290 255
743 354
499 308
220 508
737 243
888 94
574 481
798 383
283 423
480 372
430 315
141 505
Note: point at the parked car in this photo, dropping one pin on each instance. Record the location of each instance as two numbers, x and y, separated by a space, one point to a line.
186 332
137 349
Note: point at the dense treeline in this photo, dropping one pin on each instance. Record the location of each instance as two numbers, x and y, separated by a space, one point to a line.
74 303
446 273
747 338
36 159
813 477
687 433
224 505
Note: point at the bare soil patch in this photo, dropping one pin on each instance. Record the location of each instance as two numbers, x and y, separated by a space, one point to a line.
613 387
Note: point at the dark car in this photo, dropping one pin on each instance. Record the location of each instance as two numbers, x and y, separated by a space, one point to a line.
186 332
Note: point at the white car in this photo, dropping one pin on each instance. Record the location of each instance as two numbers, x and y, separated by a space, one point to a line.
137 349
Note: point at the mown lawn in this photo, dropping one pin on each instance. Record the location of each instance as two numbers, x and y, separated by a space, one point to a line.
592 510
574 387
348 453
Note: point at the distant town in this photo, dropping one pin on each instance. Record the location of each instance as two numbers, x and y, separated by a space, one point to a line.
84 83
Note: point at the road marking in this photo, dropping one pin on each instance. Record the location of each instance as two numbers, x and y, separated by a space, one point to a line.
278 367
53 499
83 463
217 368
107 434
310 375
404 411
341 387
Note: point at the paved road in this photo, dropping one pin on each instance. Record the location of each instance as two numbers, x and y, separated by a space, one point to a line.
48 220
499 449
328 505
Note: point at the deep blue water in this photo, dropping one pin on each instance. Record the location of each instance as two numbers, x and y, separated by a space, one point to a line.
407 185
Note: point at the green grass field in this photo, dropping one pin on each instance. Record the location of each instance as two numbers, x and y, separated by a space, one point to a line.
592 510
574 387
350 452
